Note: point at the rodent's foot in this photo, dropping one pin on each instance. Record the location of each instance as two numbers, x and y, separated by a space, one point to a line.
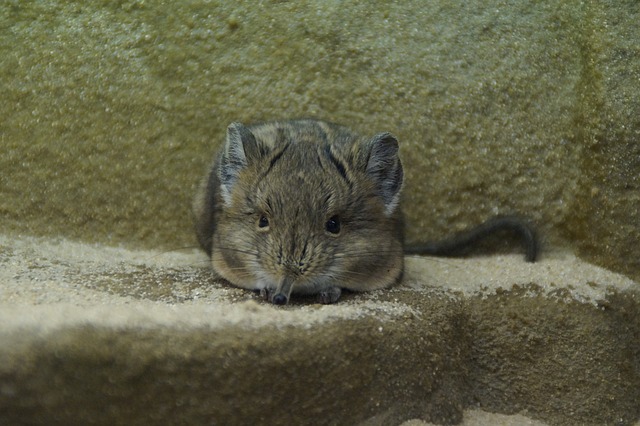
266 294
330 295
327 297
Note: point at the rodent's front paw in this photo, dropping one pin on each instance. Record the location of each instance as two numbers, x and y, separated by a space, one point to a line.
330 295
326 297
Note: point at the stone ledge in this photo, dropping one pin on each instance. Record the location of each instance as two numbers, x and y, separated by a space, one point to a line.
109 336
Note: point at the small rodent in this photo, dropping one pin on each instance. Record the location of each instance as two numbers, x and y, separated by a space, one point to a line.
310 207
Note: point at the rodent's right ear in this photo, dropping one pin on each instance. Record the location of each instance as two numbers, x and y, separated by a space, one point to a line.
239 150
385 169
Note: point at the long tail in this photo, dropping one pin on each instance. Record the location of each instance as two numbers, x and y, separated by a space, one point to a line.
456 244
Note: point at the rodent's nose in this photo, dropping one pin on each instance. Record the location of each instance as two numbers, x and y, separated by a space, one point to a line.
279 299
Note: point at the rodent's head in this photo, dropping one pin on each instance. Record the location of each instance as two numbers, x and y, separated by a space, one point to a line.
308 206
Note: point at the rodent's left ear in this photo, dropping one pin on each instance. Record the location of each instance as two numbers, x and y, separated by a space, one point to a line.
385 169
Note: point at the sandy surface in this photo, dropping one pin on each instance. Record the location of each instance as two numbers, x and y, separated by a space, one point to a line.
60 280
561 274
482 418
49 284
121 285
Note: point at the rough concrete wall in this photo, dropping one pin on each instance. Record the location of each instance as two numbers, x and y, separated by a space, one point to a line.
606 219
112 110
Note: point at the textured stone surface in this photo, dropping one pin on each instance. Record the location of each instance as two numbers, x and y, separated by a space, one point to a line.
111 111
110 336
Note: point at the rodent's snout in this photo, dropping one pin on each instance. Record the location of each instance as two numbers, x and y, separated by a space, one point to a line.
280 299
282 292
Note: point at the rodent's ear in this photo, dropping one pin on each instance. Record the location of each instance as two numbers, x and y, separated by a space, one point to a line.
239 150
385 169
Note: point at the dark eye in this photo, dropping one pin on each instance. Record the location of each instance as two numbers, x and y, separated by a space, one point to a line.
263 222
333 225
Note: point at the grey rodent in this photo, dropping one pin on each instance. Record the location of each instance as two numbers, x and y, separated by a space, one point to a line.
310 207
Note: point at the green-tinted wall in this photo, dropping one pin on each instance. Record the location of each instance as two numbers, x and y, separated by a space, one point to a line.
111 110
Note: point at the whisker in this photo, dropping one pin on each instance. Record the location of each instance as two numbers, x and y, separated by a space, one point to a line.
235 250
434 259
363 253
351 273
